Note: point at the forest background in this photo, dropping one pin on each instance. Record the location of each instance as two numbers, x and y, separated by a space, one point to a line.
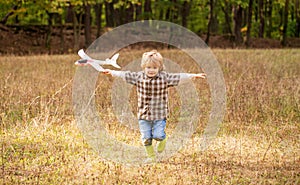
64 26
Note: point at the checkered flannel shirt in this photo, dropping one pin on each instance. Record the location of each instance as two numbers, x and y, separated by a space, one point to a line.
152 93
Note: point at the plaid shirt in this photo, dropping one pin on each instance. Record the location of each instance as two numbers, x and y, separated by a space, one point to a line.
152 93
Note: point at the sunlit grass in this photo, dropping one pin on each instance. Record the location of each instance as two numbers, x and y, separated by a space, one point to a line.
258 142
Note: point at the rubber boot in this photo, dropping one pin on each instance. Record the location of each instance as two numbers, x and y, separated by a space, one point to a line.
161 146
151 154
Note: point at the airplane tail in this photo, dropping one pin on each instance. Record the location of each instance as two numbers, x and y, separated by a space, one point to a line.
114 60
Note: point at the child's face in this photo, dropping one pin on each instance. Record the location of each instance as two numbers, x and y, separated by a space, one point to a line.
151 70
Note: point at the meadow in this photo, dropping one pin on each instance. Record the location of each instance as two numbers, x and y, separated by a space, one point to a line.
258 142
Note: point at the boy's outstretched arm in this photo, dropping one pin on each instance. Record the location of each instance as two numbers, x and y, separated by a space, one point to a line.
191 75
199 75
114 73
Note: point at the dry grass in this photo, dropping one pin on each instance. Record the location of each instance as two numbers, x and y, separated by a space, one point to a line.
258 143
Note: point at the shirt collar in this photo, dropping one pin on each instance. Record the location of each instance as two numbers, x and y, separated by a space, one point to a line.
155 77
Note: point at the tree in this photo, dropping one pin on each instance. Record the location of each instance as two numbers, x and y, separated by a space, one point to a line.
77 13
238 20
211 20
52 9
285 23
297 12
261 29
185 11
249 23
87 24
147 9
239 16
138 11
226 8
172 13
268 16
129 12
98 12
10 13
109 14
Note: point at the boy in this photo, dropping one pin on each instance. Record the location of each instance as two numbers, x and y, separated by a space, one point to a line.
152 90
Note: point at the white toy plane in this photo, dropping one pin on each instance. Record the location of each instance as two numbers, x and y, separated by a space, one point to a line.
86 60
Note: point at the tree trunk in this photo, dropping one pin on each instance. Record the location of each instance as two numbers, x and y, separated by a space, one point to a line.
98 12
109 14
227 11
87 25
69 16
238 20
211 17
214 24
249 23
76 29
297 12
147 9
129 13
185 12
172 12
118 18
285 23
138 11
49 32
168 14
261 29
174 16
61 34
268 16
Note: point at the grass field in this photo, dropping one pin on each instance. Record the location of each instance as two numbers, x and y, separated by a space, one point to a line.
258 142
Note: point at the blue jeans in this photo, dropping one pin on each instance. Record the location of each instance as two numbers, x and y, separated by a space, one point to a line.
152 130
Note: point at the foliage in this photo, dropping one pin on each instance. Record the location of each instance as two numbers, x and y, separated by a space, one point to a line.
197 13
5 7
198 17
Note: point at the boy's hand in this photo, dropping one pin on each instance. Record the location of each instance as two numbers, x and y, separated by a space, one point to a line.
107 71
200 75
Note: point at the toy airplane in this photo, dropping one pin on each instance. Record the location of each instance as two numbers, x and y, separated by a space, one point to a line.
86 60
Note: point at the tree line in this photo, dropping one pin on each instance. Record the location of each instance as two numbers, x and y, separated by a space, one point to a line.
240 20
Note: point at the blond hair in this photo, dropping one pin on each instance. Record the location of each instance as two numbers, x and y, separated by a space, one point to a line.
153 57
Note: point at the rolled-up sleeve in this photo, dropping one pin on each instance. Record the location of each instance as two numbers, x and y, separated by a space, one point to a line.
120 74
173 79
132 77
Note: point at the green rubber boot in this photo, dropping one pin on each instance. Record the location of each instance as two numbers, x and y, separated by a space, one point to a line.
161 146
151 154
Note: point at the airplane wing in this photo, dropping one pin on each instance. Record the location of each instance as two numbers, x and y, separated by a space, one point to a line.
83 55
96 66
